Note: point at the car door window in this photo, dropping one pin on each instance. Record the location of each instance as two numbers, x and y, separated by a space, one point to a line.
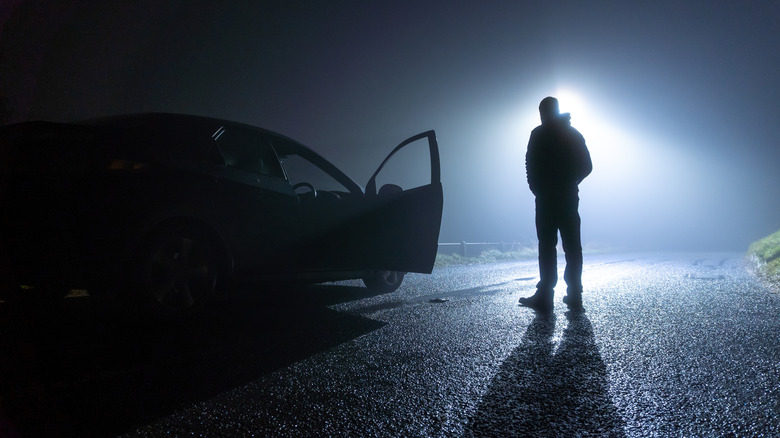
409 168
299 169
303 166
247 150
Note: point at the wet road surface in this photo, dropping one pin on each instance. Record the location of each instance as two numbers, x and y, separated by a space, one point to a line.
669 345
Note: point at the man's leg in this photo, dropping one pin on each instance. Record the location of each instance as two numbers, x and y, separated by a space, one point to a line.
547 233
572 247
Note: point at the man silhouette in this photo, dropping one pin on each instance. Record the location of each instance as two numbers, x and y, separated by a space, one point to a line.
556 162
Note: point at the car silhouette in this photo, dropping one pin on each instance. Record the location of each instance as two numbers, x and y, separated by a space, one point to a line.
169 208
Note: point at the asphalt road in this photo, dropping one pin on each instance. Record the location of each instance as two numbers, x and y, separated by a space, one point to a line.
669 345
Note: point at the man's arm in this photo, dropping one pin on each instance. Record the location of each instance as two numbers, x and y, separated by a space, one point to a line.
584 164
531 164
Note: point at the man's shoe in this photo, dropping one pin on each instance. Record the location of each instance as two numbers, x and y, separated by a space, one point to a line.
537 302
574 303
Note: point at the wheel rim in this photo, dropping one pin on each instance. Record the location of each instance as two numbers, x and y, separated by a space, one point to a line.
390 277
180 274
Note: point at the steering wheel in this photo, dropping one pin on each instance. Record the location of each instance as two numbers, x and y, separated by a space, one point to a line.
307 185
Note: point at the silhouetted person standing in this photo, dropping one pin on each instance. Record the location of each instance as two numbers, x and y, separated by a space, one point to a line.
556 162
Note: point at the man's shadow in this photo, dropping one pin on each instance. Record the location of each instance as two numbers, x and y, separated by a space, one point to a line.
541 391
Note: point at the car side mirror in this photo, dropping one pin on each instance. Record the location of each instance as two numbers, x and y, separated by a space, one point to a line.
389 189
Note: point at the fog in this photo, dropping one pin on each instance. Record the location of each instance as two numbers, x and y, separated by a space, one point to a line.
677 102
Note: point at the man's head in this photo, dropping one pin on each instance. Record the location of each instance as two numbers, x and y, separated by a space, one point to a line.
548 109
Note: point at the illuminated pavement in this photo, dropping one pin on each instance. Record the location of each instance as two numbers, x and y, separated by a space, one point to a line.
677 345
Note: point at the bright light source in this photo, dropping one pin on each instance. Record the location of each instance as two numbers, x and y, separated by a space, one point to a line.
642 186
570 102
597 128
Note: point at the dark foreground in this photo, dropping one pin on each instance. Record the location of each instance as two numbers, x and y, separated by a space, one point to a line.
99 370
682 345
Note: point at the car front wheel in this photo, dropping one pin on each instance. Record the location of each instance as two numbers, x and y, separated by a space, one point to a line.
384 281
179 272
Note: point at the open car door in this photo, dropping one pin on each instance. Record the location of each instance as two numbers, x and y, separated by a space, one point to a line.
399 229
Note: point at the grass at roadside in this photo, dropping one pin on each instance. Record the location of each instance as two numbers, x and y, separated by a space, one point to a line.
764 254
489 256
523 253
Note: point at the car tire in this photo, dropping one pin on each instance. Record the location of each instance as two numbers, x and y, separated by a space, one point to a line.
384 281
178 273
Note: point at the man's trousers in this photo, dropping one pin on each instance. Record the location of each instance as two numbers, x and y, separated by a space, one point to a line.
556 213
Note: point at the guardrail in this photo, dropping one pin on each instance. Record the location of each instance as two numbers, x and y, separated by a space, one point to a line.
473 249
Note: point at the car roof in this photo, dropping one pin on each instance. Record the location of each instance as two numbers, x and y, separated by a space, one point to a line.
170 122
199 128
191 130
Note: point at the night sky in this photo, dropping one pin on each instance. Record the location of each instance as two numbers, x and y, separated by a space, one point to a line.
677 100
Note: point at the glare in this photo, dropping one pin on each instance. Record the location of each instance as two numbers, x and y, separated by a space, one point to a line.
609 146
597 127
641 185
570 102
639 181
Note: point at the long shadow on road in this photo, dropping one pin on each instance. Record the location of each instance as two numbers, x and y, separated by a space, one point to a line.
98 370
540 391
